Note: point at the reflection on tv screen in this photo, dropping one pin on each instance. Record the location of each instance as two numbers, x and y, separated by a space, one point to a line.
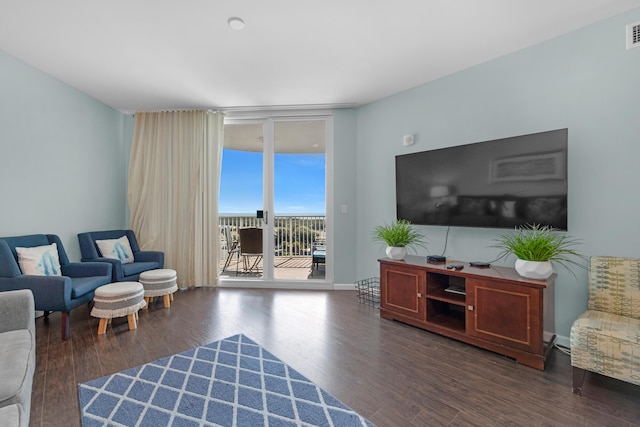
500 183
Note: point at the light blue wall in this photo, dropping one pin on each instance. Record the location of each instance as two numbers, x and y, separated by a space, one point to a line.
344 193
586 81
63 158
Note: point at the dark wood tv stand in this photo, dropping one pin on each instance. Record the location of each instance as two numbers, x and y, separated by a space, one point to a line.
493 308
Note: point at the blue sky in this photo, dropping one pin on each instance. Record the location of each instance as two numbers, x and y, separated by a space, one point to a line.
299 183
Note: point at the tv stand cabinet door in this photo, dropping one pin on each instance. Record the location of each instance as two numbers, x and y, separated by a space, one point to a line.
402 292
506 314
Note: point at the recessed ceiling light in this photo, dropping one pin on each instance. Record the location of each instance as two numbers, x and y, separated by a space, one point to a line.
236 23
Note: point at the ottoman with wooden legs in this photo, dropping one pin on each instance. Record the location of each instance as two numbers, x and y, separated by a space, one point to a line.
159 283
118 300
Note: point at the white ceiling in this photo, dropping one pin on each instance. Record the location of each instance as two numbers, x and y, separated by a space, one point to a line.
172 54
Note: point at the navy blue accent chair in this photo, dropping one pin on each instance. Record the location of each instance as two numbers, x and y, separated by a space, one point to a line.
142 260
52 293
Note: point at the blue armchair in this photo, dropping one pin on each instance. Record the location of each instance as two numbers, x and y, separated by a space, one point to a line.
130 272
51 293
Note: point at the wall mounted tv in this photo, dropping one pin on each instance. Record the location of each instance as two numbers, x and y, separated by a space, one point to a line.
502 183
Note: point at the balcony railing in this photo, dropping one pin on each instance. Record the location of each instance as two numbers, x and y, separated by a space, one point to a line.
294 234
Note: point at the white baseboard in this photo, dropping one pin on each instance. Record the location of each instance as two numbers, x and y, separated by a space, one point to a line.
563 341
344 287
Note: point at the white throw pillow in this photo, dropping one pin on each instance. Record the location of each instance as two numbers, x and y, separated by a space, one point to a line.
39 260
116 249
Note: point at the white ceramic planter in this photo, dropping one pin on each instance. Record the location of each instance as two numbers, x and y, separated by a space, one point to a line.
396 252
539 270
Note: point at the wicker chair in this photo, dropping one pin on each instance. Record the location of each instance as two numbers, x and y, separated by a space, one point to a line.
250 249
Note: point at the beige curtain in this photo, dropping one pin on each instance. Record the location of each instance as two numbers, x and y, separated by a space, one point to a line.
173 190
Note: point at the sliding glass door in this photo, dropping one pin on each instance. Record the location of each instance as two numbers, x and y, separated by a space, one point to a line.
299 185
241 198
274 179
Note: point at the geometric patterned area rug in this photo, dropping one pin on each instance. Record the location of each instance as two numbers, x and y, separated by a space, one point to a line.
231 382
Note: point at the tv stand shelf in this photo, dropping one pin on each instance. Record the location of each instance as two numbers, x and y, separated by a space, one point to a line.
447 297
492 308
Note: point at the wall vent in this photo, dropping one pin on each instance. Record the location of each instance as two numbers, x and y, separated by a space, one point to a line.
633 35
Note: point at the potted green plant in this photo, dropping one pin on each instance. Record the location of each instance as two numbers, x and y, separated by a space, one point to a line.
399 236
537 248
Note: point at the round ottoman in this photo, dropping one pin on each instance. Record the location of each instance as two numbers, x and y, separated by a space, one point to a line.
118 300
159 283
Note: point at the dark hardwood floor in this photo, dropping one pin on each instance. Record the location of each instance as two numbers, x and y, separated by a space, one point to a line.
393 374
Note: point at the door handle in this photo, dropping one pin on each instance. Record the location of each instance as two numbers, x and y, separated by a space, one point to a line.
262 215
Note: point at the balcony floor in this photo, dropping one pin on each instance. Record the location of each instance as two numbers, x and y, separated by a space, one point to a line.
286 267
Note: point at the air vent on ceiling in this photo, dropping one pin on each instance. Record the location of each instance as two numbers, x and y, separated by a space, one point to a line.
633 35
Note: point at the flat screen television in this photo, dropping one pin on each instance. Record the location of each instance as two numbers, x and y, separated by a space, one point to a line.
503 183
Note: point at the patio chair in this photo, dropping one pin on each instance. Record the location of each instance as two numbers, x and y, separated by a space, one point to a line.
250 249
231 245
318 254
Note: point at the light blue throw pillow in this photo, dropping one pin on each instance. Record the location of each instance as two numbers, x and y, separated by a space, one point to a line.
116 249
39 260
